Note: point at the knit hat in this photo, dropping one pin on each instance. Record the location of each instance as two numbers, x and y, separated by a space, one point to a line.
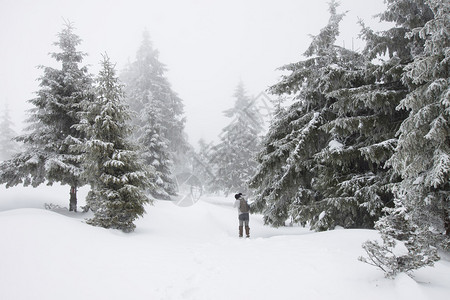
237 196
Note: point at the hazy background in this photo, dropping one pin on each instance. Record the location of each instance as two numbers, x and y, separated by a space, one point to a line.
207 46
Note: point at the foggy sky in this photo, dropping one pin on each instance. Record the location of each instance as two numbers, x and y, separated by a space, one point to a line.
207 46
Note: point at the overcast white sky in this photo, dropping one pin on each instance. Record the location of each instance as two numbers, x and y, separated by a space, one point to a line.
207 46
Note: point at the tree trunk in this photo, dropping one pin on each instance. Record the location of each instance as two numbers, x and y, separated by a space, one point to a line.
447 224
73 199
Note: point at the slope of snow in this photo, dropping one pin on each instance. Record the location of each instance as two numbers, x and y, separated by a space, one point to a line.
186 253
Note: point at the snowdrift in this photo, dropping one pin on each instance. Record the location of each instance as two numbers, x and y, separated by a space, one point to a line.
186 253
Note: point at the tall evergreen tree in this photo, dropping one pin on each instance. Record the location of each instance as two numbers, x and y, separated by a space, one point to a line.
422 156
202 167
420 220
233 159
325 157
159 114
284 181
48 155
111 166
8 147
363 132
155 150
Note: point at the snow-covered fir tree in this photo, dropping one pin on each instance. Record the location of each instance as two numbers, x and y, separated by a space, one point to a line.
276 144
420 219
202 167
155 149
405 245
285 181
118 180
47 154
422 156
146 84
355 180
233 158
150 95
8 146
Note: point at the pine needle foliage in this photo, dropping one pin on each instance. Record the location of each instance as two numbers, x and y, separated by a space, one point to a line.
111 166
233 159
420 219
158 118
48 155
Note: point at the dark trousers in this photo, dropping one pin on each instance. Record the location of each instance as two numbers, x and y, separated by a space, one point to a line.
244 219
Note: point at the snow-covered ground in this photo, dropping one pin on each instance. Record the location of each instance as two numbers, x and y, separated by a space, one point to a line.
186 253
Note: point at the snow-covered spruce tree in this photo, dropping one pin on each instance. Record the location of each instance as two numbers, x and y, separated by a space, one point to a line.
233 158
47 154
356 181
352 182
155 149
420 220
405 245
111 166
422 156
202 167
286 178
150 96
272 199
8 147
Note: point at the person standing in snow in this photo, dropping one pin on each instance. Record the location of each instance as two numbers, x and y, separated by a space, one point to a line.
243 211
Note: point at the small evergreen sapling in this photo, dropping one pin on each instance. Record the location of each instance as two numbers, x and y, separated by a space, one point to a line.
405 246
